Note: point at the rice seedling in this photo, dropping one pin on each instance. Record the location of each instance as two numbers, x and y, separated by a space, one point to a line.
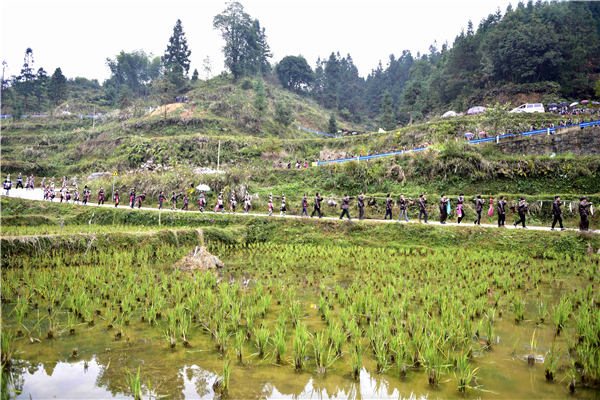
239 340
551 364
518 309
319 346
280 344
8 349
300 345
561 314
489 333
433 365
221 384
184 326
464 374
356 353
134 383
262 339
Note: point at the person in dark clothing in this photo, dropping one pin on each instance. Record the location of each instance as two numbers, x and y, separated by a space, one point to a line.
317 206
403 204
116 195
443 209
478 208
86 195
101 196
282 209
501 212
140 199
423 207
557 213
304 205
173 200
460 207
361 206
132 198
161 198
19 181
7 184
583 213
345 206
185 203
521 209
389 203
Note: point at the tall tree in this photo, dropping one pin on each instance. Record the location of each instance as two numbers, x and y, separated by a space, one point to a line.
57 90
387 118
133 70
4 85
264 51
294 73
25 82
195 76
234 24
177 55
41 87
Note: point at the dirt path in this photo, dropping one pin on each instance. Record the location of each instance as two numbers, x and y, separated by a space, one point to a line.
38 195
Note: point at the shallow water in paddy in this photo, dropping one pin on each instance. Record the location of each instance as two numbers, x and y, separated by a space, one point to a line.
48 370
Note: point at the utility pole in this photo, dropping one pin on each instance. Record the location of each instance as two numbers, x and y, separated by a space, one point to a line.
94 124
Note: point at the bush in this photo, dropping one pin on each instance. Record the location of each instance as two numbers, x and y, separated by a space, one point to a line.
247 84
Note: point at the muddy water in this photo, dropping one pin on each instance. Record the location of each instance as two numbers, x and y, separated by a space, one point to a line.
50 370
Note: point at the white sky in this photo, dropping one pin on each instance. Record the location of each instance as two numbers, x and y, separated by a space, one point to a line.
78 36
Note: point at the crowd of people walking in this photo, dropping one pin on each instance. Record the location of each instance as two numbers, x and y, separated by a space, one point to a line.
520 207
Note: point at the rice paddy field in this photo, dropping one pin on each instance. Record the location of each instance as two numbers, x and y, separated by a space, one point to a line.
294 321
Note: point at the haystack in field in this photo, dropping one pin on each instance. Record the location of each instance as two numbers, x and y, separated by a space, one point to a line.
199 259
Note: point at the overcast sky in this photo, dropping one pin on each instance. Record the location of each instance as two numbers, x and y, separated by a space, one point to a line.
78 36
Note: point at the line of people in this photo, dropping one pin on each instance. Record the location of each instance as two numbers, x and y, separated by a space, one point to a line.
520 208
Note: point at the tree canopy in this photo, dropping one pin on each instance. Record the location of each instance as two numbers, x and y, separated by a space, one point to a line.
294 73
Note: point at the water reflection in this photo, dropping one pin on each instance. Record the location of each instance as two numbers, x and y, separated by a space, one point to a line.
93 380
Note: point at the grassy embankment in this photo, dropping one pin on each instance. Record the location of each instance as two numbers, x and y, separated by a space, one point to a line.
123 227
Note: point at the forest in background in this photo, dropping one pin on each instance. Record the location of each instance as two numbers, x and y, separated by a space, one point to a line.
544 51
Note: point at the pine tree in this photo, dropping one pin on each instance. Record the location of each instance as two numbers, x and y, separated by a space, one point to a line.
260 102
387 118
57 91
40 87
333 128
195 76
177 55
25 82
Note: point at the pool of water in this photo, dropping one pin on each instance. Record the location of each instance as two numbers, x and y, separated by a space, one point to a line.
50 368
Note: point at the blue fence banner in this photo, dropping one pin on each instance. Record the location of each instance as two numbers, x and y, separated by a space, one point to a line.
475 141
318 133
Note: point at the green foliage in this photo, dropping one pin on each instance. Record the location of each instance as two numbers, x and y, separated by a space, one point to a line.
57 91
387 118
260 101
246 50
283 115
333 128
177 54
294 73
